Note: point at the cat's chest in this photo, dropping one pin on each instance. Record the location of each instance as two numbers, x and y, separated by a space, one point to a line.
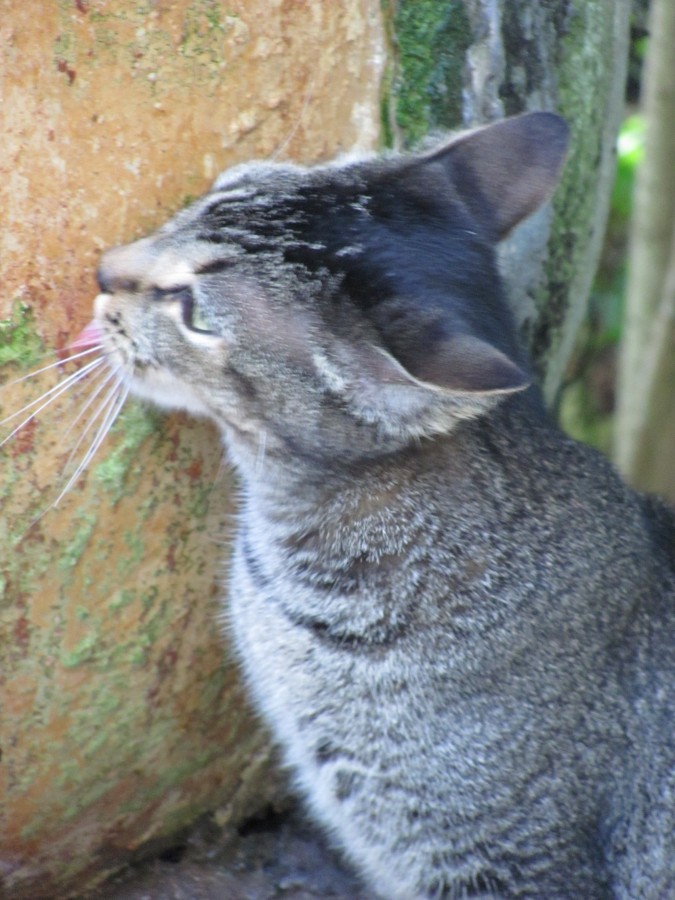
327 697
351 718
360 646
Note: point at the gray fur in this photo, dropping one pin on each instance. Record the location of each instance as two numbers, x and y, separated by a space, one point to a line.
458 622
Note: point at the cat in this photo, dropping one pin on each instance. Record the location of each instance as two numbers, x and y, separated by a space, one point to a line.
458 622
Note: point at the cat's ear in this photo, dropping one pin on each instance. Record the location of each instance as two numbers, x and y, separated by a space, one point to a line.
503 172
463 369
466 364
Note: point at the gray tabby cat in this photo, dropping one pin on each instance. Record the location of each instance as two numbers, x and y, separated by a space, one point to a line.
458 622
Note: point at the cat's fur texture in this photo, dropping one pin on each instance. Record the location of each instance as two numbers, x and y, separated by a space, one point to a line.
458 622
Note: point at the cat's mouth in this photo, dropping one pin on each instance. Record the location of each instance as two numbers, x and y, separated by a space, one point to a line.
147 377
90 336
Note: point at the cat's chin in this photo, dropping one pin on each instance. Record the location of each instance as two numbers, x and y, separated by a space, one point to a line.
168 393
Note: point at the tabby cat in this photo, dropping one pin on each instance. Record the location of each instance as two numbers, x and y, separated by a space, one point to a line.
458 622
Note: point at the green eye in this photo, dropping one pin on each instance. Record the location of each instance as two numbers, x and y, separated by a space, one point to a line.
192 316
198 322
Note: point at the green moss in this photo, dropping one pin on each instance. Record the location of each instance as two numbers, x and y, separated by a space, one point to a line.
11 476
432 37
81 800
581 62
70 555
135 543
199 500
202 29
83 652
121 599
19 342
149 597
137 656
136 423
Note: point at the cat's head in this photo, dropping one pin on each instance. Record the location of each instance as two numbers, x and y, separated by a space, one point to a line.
340 311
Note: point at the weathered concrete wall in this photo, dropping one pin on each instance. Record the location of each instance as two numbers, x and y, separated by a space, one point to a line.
121 718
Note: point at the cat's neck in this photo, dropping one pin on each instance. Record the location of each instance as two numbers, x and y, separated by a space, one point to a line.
370 496
277 473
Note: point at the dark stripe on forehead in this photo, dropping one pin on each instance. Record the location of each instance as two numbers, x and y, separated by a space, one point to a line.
216 265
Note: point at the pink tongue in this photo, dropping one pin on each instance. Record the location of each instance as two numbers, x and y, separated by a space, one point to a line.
90 336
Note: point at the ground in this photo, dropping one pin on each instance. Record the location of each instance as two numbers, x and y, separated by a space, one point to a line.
277 856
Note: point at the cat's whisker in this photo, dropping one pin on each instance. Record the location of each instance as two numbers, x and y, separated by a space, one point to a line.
71 481
307 99
222 466
53 365
112 374
85 387
48 397
58 388
110 409
77 344
104 378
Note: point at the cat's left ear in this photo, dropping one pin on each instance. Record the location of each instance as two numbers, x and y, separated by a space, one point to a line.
463 368
503 172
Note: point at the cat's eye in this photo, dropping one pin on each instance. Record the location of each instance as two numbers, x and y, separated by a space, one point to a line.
191 314
197 321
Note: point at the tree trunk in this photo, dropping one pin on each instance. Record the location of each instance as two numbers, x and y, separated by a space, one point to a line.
645 424
465 62
122 717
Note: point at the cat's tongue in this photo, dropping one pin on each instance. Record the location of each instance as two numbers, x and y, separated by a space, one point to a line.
90 336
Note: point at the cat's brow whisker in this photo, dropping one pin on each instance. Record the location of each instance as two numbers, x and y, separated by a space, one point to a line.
53 365
307 99
110 409
51 395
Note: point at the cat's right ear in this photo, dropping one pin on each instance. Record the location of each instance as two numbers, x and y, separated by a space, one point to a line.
503 172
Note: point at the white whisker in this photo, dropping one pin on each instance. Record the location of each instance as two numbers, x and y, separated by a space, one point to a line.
104 378
298 122
84 387
51 394
110 409
95 415
223 465
76 344
59 362
107 402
